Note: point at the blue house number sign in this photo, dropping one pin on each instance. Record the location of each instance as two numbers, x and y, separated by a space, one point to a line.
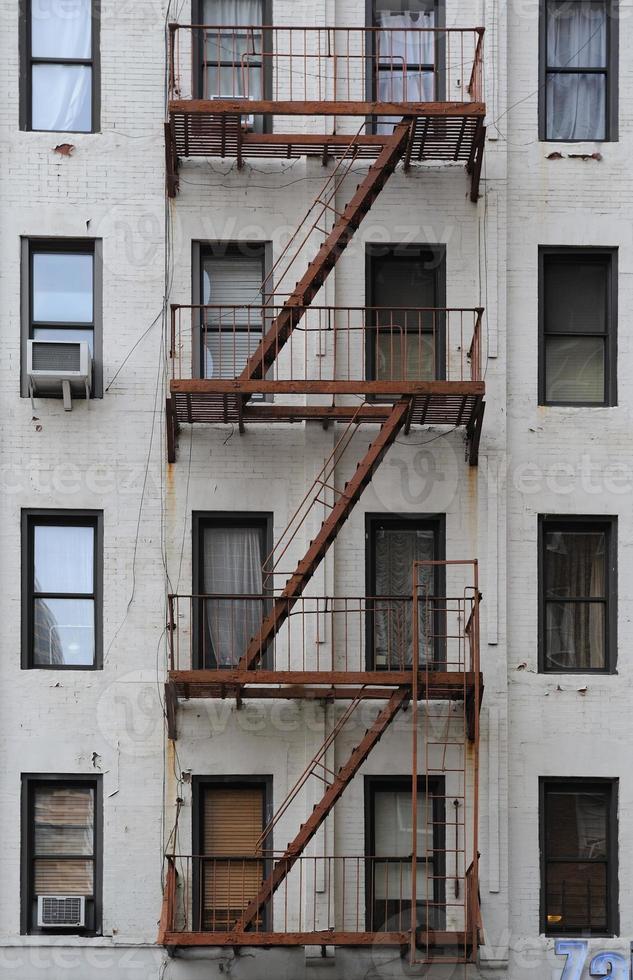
606 964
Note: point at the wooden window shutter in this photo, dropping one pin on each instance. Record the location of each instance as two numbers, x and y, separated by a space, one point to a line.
233 868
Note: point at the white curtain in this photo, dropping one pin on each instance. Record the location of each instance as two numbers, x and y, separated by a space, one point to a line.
401 42
61 29
237 49
232 567
576 38
395 552
575 567
61 98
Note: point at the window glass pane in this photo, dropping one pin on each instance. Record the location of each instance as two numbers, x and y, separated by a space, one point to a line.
233 281
405 356
63 876
63 632
393 825
576 107
576 897
575 636
62 287
577 33
61 98
575 564
233 13
575 295
576 825
61 29
232 566
395 551
44 333
575 370
64 820
394 554
64 558
405 281
229 83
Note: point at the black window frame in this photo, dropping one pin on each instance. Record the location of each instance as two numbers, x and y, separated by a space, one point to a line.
406 251
31 518
198 786
29 783
583 784
438 68
27 61
604 255
611 71
263 520
436 787
414 522
79 246
263 123
202 250
609 526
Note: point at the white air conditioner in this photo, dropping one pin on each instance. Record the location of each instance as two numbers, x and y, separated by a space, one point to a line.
54 363
248 121
61 911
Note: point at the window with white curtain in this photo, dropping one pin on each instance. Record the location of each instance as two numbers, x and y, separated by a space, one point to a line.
61 49
390 848
63 589
406 49
578 70
578 600
578 327
61 843
231 553
232 57
579 857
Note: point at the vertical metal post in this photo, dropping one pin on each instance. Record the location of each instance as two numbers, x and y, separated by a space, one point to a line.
414 764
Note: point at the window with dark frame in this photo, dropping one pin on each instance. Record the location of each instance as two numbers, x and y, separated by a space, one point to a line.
62 301
405 342
408 53
389 846
579 894
61 66
579 70
62 589
61 847
394 543
578 326
578 603
229 555
230 815
232 276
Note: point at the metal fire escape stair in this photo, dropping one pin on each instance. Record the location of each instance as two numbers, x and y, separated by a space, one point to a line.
346 225
398 700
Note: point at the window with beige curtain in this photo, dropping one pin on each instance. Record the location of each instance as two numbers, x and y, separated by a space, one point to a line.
576 596
232 863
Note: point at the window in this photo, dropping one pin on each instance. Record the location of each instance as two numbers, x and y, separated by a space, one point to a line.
61 846
579 70
62 301
579 857
578 594
405 342
229 554
578 327
393 544
230 276
62 588
407 53
229 818
389 847
232 57
60 44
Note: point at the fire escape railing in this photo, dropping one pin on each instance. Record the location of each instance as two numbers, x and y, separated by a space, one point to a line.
388 65
378 345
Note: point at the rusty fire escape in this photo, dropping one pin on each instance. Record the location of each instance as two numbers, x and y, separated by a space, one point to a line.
281 335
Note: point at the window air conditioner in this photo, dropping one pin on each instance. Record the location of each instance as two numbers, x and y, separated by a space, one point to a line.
51 363
248 121
61 911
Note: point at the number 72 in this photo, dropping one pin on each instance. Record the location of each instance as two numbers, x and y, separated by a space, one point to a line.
602 965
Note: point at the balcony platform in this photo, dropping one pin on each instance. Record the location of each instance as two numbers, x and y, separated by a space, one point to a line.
438 941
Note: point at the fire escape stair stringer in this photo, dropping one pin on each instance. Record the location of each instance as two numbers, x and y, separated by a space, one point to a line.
398 700
328 531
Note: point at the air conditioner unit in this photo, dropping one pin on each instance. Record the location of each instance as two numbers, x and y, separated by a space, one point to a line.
61 911
249 121
51 363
